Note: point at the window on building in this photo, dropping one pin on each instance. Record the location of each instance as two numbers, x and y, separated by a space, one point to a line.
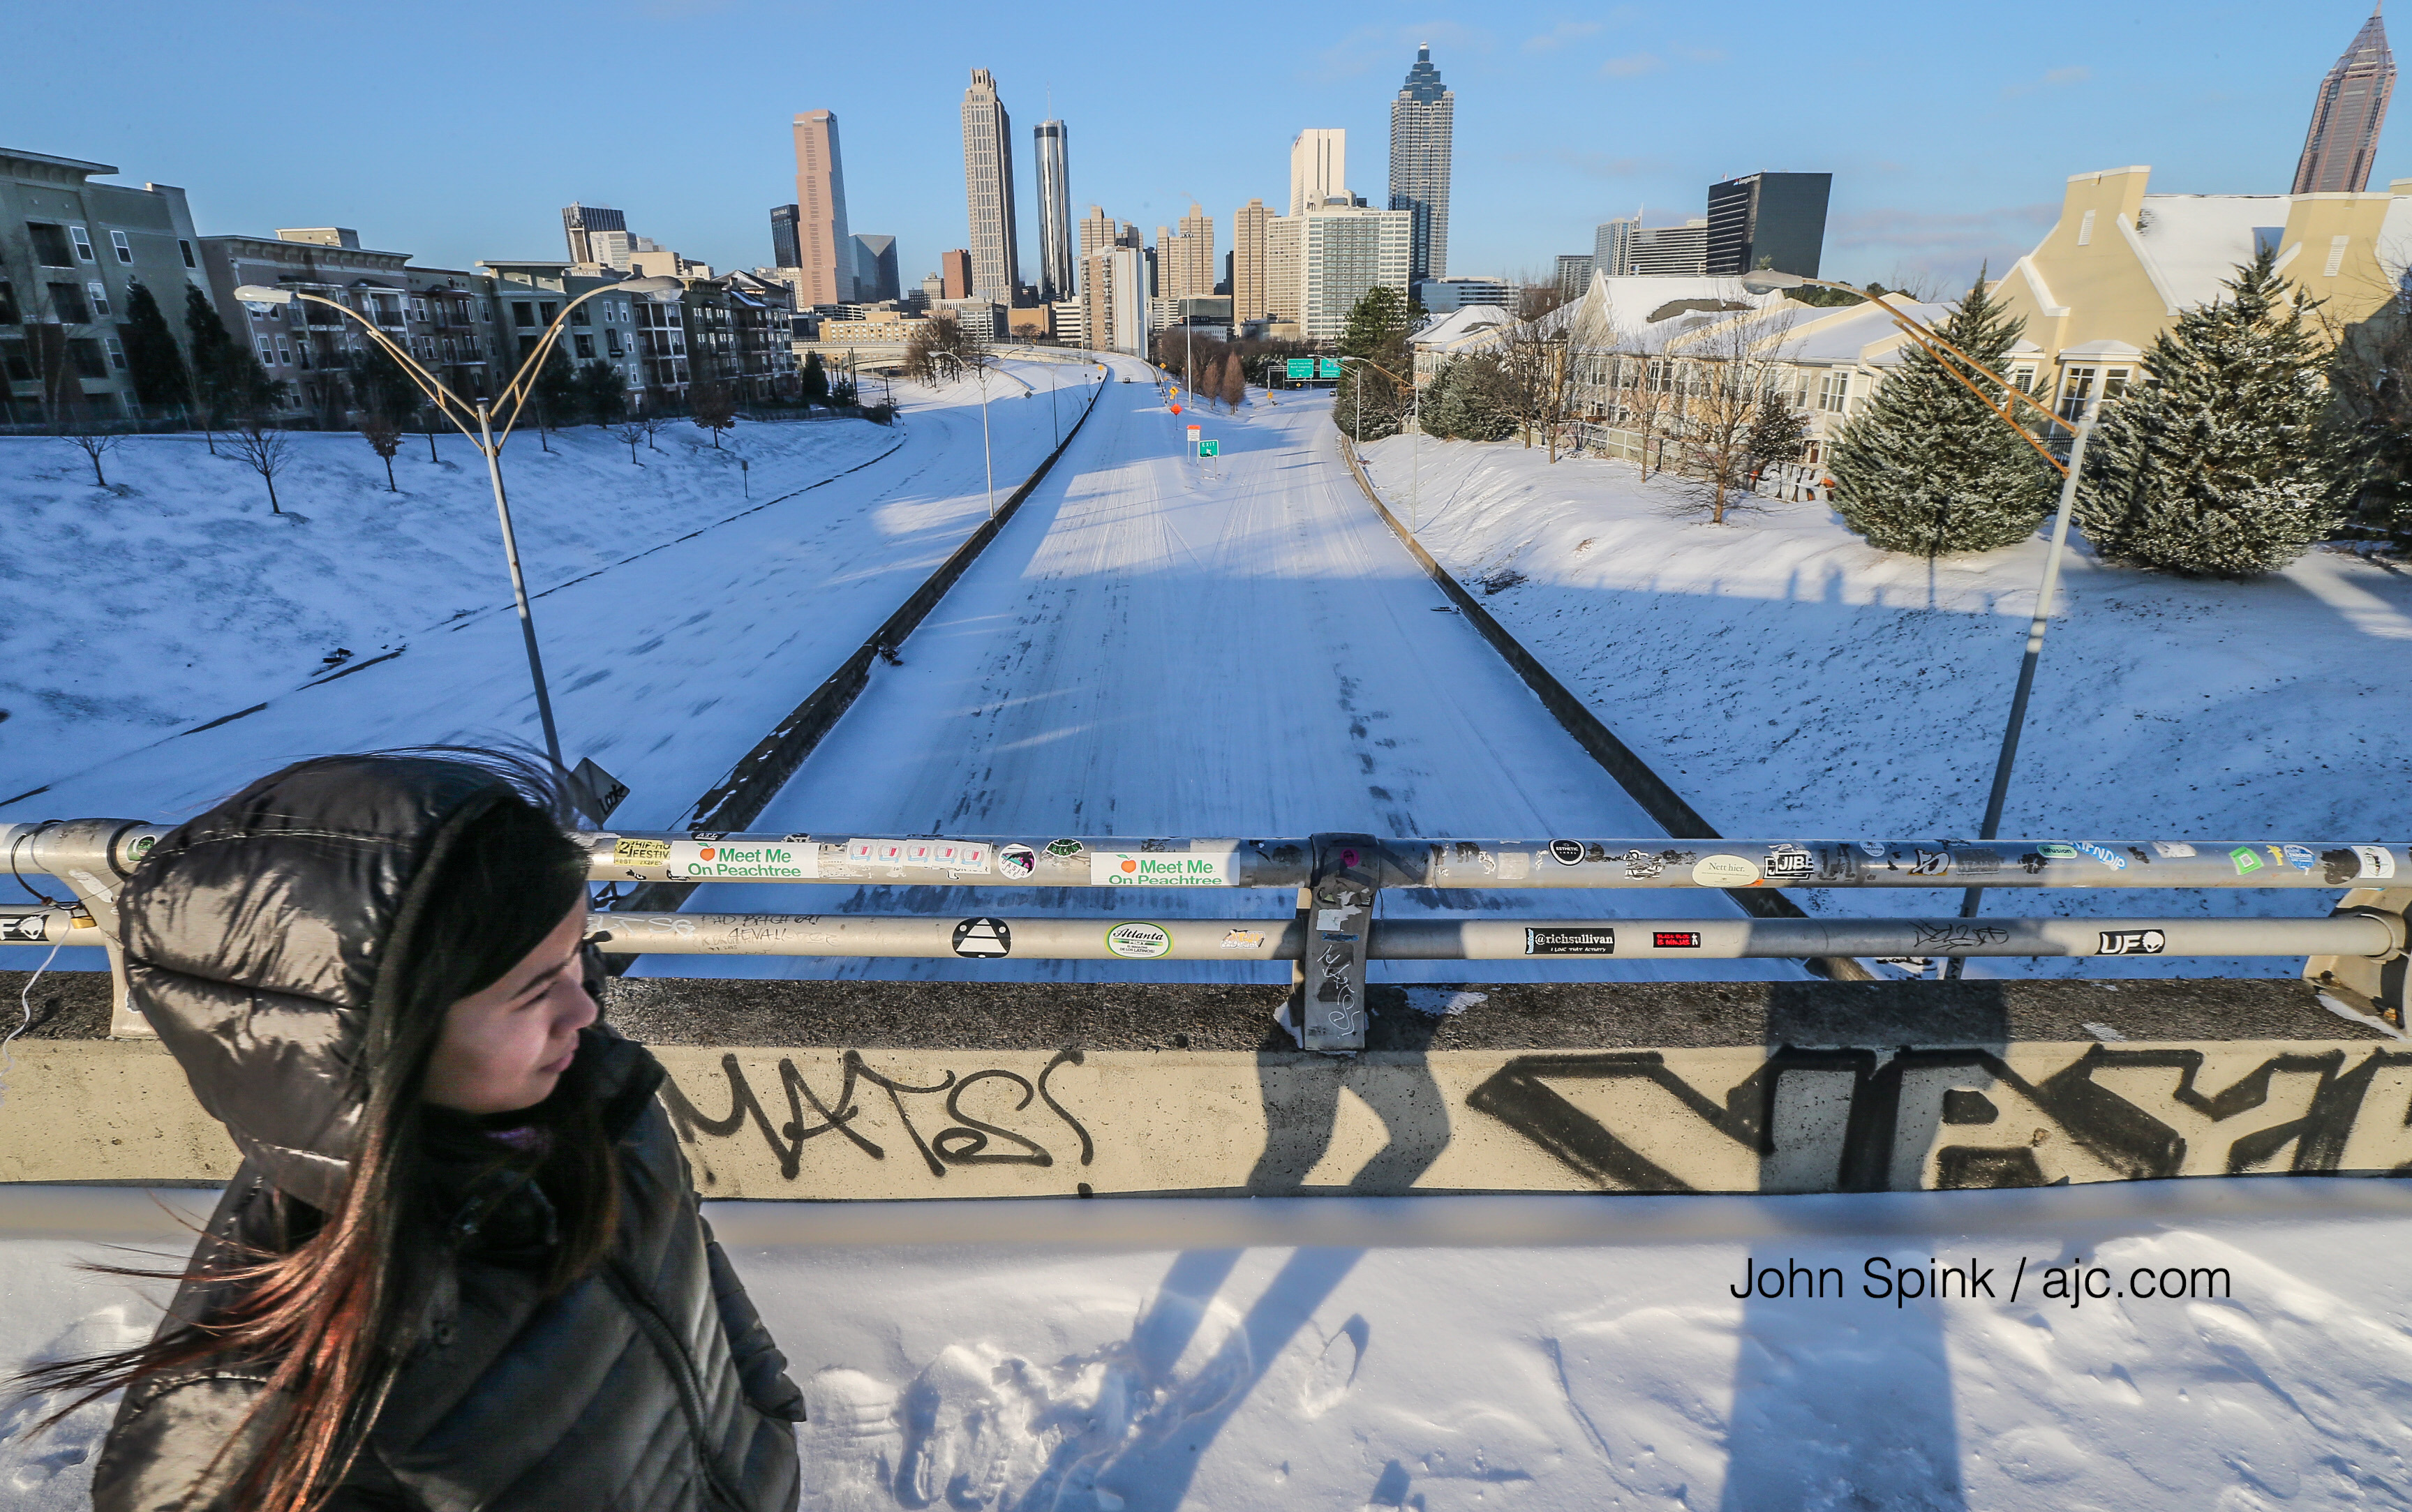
2336 256
549 309
116 353
99 293
9 312
83 244
2085 230
267 351
2077 391
2022 377
124 248
1835 392
611 343
68 303
586 348
51 247
90 361
301 354
578 315
186 248
284 354
522 314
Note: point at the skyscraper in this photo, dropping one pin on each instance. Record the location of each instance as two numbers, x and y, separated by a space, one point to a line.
822 241
988 191
1248 261
1318 167
874 268
1052 155
1611 245
1184 263
2347 114
580 222
1423 118
784 246
1773 220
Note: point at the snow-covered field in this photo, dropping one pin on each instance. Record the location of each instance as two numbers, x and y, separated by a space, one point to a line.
1556 1354
1789 679
680 619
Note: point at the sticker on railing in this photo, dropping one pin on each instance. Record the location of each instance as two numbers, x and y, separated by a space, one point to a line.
630 850
983 938
923 855
2132 943
1155 869
1139 942
696 860
1014 862
1724 872
1577 941
1243 939
2376 862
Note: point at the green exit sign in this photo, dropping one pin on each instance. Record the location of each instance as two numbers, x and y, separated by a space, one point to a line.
1210 449
1302 367
1331 368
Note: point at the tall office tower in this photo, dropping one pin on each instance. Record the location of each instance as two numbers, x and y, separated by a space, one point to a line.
580 222
1773 220
784 253
1342 251
1611 245
1574 275
988 191
1671 251
1422 122
1052 155
2346 115
955 274
822 241
1185 262
1248 261
1318 167
1283 279
875 276
1099 232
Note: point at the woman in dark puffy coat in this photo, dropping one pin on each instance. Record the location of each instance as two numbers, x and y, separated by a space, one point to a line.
462 1265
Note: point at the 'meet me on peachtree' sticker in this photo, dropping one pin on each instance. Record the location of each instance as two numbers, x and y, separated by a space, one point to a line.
1155 869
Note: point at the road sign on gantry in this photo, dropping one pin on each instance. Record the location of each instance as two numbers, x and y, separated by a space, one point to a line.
1327 367
1302 367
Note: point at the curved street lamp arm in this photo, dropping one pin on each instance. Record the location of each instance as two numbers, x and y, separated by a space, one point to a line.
1914 327
522 386
427 383
2000 411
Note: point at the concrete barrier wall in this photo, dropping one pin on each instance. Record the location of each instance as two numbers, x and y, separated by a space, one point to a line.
859 1095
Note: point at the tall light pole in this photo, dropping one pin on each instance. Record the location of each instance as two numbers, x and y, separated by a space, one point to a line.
461 412
1767 280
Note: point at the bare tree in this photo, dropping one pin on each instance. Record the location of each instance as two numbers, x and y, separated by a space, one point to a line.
628 433
384 438
712 405
1234 384
652 423
266 452
95 442
1648 395
1738 417
942 348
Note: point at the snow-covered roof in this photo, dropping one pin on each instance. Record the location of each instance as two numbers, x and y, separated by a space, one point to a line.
1844 335
1639 313
2192 243
1456 326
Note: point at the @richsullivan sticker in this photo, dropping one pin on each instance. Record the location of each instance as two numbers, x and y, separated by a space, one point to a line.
982 939
1573 942
1724 872
1139 942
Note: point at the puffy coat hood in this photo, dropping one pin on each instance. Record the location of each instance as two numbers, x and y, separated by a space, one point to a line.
265 940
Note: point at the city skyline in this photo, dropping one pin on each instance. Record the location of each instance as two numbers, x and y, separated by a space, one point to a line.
2212 116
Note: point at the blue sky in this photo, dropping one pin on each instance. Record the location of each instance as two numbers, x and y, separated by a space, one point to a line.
456 131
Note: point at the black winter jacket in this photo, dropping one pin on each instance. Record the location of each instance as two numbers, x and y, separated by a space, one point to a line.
254 937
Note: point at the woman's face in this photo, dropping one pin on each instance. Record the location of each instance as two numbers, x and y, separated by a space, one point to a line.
502 1048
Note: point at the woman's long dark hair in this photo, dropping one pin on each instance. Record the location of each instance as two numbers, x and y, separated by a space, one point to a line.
335 1300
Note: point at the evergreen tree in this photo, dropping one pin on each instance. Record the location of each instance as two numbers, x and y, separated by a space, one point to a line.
1235 383
1926 467
1369 404
1470 400
601 393
214 355
815 379
381 388
152 358
2223 464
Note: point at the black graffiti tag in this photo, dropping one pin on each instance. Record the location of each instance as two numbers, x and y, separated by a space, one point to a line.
964 1141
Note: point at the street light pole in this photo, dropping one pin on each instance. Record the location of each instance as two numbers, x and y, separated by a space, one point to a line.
457 410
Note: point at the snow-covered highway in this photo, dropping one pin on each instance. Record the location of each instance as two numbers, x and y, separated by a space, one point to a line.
1158 646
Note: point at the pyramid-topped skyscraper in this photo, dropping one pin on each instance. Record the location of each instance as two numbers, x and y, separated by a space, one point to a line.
2346 118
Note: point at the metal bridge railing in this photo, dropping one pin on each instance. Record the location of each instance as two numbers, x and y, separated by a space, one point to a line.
2357 952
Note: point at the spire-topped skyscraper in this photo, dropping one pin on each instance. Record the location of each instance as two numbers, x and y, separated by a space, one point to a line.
1422 120
2346 117
988 190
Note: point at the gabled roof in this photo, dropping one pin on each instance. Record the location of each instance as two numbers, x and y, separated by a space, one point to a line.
1456 327
2190 244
